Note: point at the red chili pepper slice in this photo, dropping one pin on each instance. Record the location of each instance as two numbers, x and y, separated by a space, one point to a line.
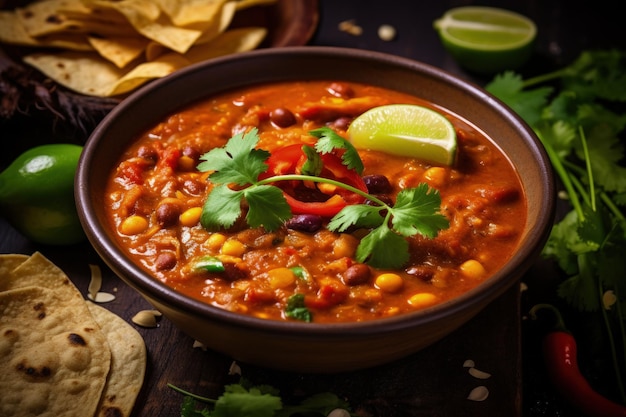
290 159
560 354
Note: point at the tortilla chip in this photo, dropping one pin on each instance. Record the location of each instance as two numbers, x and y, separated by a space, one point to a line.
229 42
164 65
88 74
12 31
119 51
53 357
139 14
45 18
128 363
184 13
219 24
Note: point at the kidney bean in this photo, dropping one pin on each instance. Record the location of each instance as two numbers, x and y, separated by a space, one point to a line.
341 123
194 187
282 117
377 184
191 152
340 90
148 154
305 222
165 261
167 214
421 272
356 274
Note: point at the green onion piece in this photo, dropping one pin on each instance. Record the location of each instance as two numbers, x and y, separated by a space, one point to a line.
209 264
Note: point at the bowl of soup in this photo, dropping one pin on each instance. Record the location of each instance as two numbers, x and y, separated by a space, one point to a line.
232 197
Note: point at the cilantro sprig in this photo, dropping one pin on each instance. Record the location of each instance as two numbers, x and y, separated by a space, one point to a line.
236 168
579 115
246 400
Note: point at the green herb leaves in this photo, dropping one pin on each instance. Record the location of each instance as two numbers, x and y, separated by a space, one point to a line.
240 164
245 400
581 120
236 169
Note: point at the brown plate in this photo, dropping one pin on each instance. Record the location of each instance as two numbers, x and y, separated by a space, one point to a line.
30 96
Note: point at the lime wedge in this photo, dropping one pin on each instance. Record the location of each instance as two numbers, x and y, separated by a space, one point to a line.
486 39
406 129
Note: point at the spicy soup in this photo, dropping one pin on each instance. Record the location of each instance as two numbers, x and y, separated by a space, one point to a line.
304 269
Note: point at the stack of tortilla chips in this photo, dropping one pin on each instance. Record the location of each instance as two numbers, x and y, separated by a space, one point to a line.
59 354
108 48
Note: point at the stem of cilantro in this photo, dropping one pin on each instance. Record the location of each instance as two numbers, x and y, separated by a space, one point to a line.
607 324
192 395
560 169
540 79
298 177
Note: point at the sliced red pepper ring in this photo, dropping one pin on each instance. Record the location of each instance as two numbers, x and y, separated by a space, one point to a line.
290 159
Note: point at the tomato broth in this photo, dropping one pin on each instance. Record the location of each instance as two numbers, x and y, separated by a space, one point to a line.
155 196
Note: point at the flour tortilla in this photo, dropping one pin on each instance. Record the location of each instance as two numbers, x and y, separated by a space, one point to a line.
128 363
53 357
111 379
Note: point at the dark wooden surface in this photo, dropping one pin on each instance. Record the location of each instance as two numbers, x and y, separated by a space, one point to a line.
432 382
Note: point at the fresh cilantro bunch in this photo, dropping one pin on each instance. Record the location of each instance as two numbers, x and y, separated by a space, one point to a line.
236 168
579 113
246 400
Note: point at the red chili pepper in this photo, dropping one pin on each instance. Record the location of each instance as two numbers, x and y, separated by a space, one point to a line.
560 354
290 159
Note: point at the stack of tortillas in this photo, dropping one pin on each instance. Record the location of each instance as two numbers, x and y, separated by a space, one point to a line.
61 355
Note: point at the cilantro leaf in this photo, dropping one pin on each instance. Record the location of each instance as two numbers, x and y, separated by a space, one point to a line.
509 87
383 248
357 215
417 211
236 163
222 208
328 140
313 165
240 402
267 206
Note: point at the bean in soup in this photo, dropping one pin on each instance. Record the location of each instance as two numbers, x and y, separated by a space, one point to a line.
302 270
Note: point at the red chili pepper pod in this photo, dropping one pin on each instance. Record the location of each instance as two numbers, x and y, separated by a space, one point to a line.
560 355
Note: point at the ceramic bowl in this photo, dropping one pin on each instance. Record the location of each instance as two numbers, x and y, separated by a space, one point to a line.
298 346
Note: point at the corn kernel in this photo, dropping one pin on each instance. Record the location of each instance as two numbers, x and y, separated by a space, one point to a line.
422 299
190 217
473 269
389 282
215 241
435 176
186 163
233 247
133 225
281 277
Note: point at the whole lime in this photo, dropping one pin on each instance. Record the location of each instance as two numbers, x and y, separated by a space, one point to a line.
487 40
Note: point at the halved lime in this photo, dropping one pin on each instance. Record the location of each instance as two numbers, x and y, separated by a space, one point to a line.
486 39
406 129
